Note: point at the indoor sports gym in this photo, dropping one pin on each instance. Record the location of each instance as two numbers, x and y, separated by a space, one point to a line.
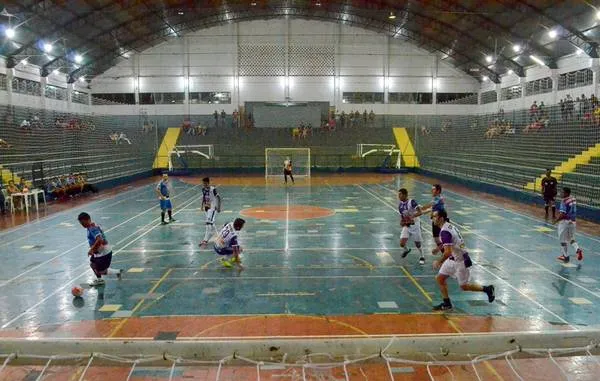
299 190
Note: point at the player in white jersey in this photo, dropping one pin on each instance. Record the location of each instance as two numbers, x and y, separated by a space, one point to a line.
226 243
287 170
211 204
411 223
455 262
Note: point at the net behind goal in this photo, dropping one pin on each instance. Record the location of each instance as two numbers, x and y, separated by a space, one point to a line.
275 157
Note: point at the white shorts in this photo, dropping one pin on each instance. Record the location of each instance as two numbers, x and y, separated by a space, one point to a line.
566 231
456 270
413 231
211 216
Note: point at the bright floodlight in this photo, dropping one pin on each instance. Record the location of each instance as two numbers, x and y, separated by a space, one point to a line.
488 59
552 33
24 61
598 15
485 78
78 58
10 32
510 71
392 16
55 71
517 48
47 47
537 60
82 79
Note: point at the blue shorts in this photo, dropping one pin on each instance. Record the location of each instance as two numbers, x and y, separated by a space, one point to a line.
224 251
100 264
165 204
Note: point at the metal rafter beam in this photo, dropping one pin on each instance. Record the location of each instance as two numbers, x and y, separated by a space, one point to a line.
380 26
575 37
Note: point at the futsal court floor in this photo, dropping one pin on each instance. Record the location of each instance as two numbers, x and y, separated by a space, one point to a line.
320 259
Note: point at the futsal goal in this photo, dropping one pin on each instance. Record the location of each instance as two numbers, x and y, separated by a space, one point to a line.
550 355
275 157
184 157
386 150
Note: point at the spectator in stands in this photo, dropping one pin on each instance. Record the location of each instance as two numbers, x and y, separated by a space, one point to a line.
35 123
425 131
223 117
22 185
533 111
446 125
594 101
250 123
123 137
25 125
186 126
534 126
85 186
216 116
343 119
12 189
570 107
4 144
563 109
372 118
365 118
2 200
114 137
357 118
597 116
54 188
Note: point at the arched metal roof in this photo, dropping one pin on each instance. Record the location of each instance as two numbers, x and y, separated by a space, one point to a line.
477 36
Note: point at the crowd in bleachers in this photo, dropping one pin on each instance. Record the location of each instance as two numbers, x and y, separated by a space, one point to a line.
193 128
65 186
356 119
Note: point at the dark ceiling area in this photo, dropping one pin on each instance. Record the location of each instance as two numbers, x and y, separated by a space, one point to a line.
483 38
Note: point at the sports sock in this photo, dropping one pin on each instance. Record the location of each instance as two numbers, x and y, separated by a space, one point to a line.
162 216
575 245
170 215
563 249
207 232
111 271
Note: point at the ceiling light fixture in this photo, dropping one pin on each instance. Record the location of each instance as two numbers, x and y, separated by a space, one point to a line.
517 48
552 33
10 32
488 59
55 71
24 61
82 79
392 16
510 71
47 48
78 58
318 3
180 13
253 3
598 15
537 60
485 78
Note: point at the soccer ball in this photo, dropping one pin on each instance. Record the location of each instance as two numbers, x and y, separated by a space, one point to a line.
77 292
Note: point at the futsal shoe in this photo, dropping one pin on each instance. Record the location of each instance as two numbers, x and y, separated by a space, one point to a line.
226 263
491 292
120 274
164 223
579 255
172 220
443 307
97 283
405 252
422 260
565 259
203 243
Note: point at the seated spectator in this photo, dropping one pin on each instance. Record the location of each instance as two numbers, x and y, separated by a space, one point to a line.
114 137
425 131
25 125
296 133
123 137
492 132
597 115
509 129
58 123
12 189
235 118
309 129
186 126
372 118
54 188
4 144
22 185
85 186
533 111
533 127
36 123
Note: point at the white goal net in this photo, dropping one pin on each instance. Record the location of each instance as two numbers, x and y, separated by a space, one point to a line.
389 150
275 157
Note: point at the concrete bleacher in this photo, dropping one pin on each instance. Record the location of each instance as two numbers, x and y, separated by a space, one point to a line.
512 160
246 148
48 150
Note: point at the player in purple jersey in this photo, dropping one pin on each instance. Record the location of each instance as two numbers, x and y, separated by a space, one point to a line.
100 252
410 211
437 204
567 214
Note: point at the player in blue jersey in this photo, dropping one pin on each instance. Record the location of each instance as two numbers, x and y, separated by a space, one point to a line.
567 214
100 252
437 204
410 211
163 192
226 243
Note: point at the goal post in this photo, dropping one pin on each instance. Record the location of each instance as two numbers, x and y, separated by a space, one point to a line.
274 158
181 155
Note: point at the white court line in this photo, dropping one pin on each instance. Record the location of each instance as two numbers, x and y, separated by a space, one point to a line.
525 259
261 250
528 297
68 283
287 221
222 279
70 211
76 247
507 210
503 280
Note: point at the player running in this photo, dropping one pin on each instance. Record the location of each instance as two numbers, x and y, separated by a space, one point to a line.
163 192
100 252
411 223
455 262
211 203
436 205
549 184
227 245
567 214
